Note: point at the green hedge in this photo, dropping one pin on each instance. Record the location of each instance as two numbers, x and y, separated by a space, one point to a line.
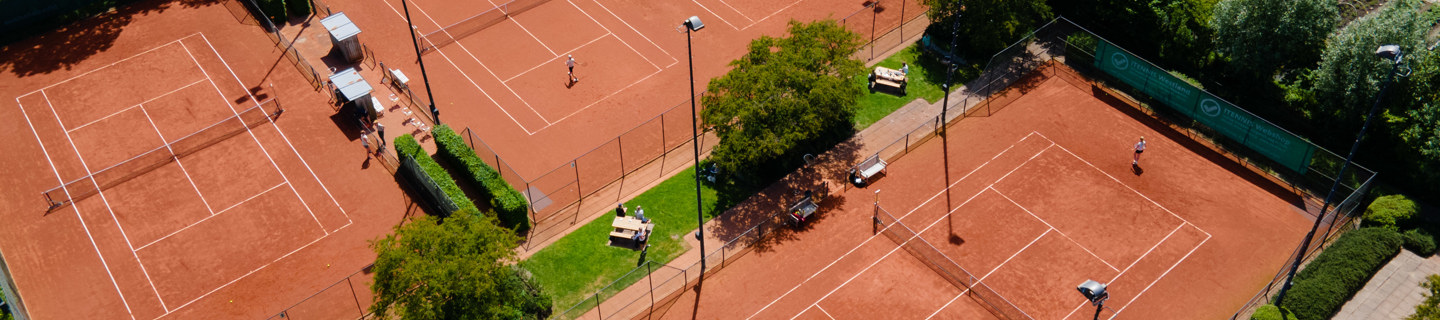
406 146
1419 241
1390 212
275 10
1271 312
1340 271
510 205
299 8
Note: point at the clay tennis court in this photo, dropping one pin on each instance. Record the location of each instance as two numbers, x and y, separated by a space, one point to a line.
1040 197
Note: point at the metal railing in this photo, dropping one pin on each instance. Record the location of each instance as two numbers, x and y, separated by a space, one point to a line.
293 56
882 24
322 306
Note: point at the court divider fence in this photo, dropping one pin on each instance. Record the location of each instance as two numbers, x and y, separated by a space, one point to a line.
349 298
883 24
291 55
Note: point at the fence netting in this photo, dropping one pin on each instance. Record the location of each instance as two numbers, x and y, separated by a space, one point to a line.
917 246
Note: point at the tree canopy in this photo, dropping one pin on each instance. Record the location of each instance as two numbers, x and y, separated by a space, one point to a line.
1260 37
784 93
1349 74
987 26
455 269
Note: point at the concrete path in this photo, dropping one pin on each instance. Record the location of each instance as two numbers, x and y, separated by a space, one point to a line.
1394 291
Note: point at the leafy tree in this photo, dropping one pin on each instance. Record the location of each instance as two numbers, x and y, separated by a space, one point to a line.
988 25
785 95
1349 75
1185 31
1430 308
455 269
1260 37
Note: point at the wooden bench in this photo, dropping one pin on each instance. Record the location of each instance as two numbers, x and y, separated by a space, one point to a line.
869 168
625 229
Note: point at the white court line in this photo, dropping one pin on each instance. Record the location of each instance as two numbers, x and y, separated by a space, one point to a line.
1162 275
538 65
106 200
177 161
632 28
462 71
263 150
772 14
1132 265
83 225
167 44
132 107
516 19
822 310
902 217
172 233
491 72
947 304
1047 223
607 30
722 19
283 137
606 97
742 13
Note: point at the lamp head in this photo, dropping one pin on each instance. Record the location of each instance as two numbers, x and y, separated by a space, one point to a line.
1093 291
694 23
1390 52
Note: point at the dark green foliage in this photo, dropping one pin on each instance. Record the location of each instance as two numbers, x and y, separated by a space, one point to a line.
407 147
1271 312
275 10
1390 212
1338 272
1430 308
784 97
299 8
1261 37
458 268
1419 241
1349 75
987 26
508 203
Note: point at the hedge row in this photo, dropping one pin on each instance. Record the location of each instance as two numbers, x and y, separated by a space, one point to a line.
406 146
274 10
299 8
1334 276
1391 212
1271 312
510 205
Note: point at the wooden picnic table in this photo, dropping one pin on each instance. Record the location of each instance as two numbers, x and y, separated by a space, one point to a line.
888 77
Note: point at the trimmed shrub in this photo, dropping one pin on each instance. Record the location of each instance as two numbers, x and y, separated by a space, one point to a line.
1419 241
1338 272
1271 312
510 205
407 147
274 10
299 8
1390 212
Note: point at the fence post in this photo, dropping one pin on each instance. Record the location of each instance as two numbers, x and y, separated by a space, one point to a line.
650 277
579 194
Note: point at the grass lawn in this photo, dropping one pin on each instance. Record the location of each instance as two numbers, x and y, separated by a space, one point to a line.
574 267
926 76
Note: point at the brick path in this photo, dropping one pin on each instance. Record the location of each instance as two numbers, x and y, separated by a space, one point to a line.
1394 291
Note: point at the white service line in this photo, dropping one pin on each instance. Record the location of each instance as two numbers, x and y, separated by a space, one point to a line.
177 160
172 233
1052 227
607 31
132 107
632 28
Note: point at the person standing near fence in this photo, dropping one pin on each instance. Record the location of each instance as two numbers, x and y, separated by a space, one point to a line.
380 132
570 63
1139 148
365 141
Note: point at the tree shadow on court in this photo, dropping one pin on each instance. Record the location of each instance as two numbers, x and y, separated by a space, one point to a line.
762 220
1175 133
61 42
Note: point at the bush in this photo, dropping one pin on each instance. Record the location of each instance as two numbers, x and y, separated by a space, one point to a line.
407 147
1390 212
510 205
274 10
1329 280
1419 241
299 8
1271 312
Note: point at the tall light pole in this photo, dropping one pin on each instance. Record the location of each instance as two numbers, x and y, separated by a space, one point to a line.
691 25
435 113
1396 57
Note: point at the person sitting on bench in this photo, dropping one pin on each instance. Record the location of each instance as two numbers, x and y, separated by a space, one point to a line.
640 214
620 210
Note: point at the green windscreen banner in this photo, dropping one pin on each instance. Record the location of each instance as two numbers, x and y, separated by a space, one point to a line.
1227 119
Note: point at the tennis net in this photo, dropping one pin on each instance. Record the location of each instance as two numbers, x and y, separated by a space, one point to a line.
943 265
455 31
108 177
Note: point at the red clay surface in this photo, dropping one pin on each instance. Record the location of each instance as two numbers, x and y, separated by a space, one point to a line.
241 229
1041 198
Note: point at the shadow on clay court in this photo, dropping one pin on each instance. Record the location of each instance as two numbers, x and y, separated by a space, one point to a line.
51 45
767 209
1279 191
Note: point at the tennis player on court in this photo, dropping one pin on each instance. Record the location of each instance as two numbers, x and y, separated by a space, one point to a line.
1139 148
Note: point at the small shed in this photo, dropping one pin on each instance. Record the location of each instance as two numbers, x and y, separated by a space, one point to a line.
344 35
351 87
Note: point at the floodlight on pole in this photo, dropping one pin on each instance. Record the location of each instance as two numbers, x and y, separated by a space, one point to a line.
691 25
1396 57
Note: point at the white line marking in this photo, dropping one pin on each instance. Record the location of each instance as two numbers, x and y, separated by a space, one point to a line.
132 107
632 28
464 74
263 150
516 19
487 68
177 160
1047 223
73 206
172 233
606 97
1132 265
608 31
1162 275
722 19
537 66
1017 253
902 217
742 13
106 200
947 304
771 14
822 310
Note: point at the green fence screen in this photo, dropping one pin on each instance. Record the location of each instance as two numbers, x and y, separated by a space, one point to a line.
1237 124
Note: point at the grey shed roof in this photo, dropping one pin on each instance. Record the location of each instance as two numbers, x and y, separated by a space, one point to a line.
340 26
351 85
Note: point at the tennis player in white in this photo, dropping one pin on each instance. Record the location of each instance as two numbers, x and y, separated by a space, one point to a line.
1139 148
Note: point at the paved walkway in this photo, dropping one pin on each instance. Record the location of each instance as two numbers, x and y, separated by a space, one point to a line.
1394 291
